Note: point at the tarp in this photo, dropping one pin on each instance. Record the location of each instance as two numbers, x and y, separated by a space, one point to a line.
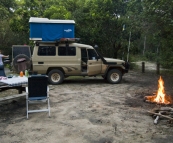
52 32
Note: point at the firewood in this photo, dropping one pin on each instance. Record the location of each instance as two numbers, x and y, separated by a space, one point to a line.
148 101
166 109
167 112
160 115
155 109
157 117
149 98
164 112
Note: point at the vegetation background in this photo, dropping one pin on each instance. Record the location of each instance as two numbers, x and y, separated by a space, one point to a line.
142 26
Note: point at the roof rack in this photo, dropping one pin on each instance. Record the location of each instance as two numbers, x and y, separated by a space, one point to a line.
69 40
62 40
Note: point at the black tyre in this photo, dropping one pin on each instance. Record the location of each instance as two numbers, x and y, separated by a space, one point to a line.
114 76
55 76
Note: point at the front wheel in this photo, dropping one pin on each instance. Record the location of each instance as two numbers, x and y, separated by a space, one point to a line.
114 76
55 76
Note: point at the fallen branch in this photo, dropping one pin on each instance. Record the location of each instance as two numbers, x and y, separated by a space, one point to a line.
158 114
157 117
166 109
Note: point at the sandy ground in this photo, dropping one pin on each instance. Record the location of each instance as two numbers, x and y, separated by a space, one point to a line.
90 111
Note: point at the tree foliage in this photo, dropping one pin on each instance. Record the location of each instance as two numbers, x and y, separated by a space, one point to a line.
106 23
159 15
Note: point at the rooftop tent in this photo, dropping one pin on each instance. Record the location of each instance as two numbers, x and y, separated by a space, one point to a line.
45 29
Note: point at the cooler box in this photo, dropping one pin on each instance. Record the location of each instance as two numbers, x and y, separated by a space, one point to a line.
50 30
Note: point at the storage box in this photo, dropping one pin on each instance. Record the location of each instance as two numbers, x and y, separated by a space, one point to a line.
50 30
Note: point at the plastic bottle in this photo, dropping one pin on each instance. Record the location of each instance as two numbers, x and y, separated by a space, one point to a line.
21 74
26 73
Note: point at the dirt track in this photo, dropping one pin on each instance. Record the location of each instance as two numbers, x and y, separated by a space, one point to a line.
90 111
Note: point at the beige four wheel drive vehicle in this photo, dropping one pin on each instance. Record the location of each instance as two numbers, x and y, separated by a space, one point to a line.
62 59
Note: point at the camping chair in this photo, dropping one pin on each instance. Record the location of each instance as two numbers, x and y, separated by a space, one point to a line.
37 92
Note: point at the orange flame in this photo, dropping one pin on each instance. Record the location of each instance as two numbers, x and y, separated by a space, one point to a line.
161 96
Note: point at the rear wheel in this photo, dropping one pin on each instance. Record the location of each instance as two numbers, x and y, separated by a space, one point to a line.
55 76
114 76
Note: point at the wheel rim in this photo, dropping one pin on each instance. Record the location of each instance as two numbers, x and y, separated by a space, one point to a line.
55 77
115 77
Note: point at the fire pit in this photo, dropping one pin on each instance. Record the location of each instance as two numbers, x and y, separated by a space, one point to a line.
160 97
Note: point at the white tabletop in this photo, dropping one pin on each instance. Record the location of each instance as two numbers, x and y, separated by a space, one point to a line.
15 81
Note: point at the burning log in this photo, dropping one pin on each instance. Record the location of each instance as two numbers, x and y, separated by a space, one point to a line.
149 99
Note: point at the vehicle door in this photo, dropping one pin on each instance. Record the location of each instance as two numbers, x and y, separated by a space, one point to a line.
94 63
68 58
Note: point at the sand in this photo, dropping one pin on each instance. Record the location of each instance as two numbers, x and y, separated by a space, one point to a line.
90 110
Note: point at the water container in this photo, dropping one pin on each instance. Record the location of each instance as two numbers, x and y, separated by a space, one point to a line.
21 74
26 73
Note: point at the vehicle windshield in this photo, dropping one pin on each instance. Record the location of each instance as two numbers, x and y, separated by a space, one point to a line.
92 54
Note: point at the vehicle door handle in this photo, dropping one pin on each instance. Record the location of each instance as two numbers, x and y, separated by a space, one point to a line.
40 62
90 63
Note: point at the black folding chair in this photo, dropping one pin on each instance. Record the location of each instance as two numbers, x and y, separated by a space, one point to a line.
37 92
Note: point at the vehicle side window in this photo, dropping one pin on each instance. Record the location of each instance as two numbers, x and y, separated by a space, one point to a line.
71 51
46 51
67 51
61 51
92 54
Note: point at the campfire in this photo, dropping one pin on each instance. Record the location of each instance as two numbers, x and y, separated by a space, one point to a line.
160 97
